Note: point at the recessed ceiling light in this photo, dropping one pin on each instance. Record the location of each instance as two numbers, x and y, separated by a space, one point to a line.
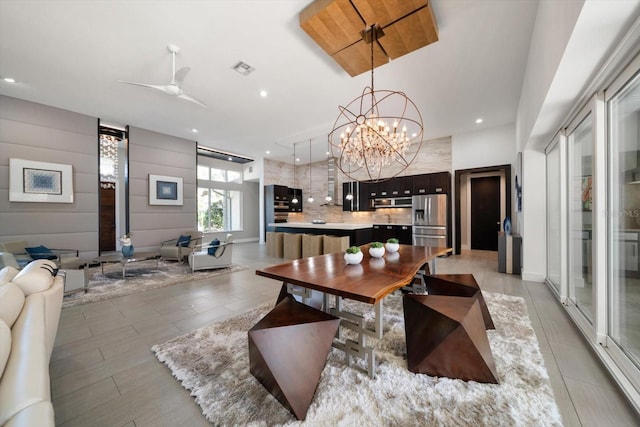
268 152
298 159
194 130
9 80
328 153
230 159
413 135
478 121
263 93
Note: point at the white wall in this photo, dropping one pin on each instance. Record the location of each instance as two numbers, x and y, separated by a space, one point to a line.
487 147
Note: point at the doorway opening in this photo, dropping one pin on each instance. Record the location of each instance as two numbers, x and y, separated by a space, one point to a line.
113 195
483 200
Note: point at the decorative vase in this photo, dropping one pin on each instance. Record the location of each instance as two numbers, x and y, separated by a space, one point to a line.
392 247
376 252
507 225
353 258
127 250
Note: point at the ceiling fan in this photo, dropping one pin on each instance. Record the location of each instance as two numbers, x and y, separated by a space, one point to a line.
174 88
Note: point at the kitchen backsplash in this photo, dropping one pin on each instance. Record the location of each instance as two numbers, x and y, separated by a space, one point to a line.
335 214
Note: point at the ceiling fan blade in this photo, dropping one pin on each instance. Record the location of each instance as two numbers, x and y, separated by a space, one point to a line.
192 99
161 88
180 75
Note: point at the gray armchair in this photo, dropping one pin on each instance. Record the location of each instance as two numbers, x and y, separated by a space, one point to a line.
170 250
201 259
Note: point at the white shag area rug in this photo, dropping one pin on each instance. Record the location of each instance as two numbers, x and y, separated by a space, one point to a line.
139 278
213 363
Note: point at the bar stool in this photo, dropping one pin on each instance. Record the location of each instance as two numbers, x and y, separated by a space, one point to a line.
275 244
312 245
334 244
292 246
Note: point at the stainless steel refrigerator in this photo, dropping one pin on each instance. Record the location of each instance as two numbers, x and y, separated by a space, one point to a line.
430 225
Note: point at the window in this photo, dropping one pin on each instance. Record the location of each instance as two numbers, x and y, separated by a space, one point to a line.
219 199
219 210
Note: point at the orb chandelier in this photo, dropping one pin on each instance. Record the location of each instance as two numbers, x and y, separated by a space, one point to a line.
295 198
379 130
310 199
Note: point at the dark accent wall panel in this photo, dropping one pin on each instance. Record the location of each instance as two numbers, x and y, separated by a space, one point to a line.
38 132
158 154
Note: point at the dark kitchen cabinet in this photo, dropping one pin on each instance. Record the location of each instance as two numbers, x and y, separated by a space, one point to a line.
370 189
440 182
360 201
432 183
383 232
349 205
401 186
297 193
280 192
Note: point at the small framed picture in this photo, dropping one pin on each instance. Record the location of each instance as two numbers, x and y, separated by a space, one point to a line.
31 181
165 190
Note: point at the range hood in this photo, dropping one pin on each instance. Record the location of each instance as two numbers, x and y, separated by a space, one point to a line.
332 183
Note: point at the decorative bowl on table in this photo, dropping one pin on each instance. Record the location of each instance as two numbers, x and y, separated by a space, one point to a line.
376 250
392 245
353 255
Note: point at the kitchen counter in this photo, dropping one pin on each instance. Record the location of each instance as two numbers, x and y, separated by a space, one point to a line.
359 234
325 226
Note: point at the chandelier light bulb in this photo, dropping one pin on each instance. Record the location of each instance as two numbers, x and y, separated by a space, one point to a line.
349 196
294 200
328 198
310 199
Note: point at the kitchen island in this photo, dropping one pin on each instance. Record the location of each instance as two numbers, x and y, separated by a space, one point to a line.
359 234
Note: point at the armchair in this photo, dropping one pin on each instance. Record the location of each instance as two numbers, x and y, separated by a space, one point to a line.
200 259
172 250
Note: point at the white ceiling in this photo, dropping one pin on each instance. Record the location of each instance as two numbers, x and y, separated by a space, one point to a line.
70 54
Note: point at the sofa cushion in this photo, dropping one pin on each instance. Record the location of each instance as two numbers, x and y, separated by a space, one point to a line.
213 246
183 241
37 276
7 274
40 252
11 303
5 345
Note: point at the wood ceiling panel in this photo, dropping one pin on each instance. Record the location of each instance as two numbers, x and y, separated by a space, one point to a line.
333 24
384 12
336 26
413 32
356 59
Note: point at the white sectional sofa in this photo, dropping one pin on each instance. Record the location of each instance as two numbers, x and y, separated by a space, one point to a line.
30 305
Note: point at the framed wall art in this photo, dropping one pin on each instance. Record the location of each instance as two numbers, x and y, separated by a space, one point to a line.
31 181
165 190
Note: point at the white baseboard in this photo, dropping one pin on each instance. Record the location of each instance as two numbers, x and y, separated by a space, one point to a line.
531 276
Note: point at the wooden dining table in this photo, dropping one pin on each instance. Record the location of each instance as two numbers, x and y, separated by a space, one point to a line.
315 280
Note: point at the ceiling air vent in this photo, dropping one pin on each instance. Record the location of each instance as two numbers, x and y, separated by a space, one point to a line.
243 68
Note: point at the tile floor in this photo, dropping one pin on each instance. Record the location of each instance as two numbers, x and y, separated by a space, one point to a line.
103 373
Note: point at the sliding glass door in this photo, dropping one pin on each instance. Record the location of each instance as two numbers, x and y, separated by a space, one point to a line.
554 235
624 218
581 139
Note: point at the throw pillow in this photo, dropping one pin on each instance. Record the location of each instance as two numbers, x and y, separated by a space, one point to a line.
7 274
37 276
213 246
41 252
183 241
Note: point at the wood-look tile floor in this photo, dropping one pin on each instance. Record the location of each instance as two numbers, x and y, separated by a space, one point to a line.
104 374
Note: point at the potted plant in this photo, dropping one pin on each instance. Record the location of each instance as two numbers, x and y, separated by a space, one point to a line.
376 249
353 255
392 245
